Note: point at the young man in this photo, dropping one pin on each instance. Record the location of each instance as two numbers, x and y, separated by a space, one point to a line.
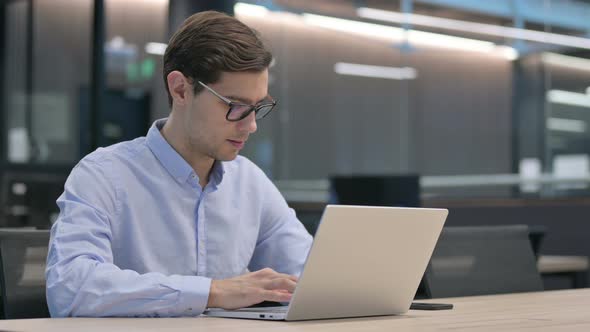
172 223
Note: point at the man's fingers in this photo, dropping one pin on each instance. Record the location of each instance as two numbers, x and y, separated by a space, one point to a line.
281 284
264 272
276 296
287 276
272 274
284 276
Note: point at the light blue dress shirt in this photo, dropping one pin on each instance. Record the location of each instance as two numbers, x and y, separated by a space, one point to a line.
138 236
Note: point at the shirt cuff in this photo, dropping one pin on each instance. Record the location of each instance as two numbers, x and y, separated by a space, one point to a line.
194 294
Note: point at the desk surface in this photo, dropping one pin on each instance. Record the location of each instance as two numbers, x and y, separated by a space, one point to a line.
542 311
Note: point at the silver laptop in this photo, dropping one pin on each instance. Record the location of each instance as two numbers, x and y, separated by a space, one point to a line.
364 261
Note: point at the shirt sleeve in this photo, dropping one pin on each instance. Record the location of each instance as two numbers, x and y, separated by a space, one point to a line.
82 279
283 242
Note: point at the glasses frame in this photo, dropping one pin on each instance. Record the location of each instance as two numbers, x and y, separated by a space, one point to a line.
251 108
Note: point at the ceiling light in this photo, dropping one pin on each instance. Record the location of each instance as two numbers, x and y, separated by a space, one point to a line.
569 125
355 27
241 8
472 27
393 73
566 61
568 98
155 48
394 34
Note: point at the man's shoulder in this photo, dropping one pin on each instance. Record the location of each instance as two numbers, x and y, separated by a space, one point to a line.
103 166
116 153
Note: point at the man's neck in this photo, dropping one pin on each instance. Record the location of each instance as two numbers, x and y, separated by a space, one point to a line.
201 164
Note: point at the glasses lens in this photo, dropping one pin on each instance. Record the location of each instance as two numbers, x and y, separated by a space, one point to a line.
238 112
263 111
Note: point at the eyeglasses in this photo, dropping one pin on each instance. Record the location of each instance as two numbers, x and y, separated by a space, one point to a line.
239 111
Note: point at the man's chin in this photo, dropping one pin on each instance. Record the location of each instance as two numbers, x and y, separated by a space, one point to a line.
226 156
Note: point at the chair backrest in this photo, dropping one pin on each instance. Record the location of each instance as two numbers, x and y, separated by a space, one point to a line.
482 260
536 236
23 254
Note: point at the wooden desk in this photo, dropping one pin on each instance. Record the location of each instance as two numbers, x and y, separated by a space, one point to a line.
542 311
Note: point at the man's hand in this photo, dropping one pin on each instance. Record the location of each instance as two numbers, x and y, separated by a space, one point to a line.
251 288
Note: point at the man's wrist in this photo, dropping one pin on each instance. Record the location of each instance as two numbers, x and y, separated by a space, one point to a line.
213 294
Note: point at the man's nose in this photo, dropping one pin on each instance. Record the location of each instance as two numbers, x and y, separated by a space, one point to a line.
249 123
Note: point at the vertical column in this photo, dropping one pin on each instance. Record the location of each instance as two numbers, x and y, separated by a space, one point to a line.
3 126
405 126
179 10
29 80
97 83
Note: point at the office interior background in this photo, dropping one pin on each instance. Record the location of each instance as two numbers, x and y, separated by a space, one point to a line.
482 107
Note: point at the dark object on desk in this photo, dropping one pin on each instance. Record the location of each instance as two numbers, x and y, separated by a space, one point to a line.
386 190
22 273
430 306
481 261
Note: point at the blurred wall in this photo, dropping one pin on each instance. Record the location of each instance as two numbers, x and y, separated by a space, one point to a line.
454 118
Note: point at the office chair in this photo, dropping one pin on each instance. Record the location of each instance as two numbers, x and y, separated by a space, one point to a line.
23 253
536 235
482 260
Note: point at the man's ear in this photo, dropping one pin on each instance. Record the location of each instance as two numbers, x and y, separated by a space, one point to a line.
179 87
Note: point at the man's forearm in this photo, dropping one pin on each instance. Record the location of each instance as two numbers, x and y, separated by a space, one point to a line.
85 288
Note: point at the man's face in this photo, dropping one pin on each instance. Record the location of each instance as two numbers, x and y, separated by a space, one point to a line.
207 130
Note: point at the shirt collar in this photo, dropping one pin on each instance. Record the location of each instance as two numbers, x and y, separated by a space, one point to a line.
217 172
180 170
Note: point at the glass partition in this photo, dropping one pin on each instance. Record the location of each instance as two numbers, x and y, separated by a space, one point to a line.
47 60
480 100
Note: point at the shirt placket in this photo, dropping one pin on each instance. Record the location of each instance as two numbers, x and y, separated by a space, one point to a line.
202 251
200 223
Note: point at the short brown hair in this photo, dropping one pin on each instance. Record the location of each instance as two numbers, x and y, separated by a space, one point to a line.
209 43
